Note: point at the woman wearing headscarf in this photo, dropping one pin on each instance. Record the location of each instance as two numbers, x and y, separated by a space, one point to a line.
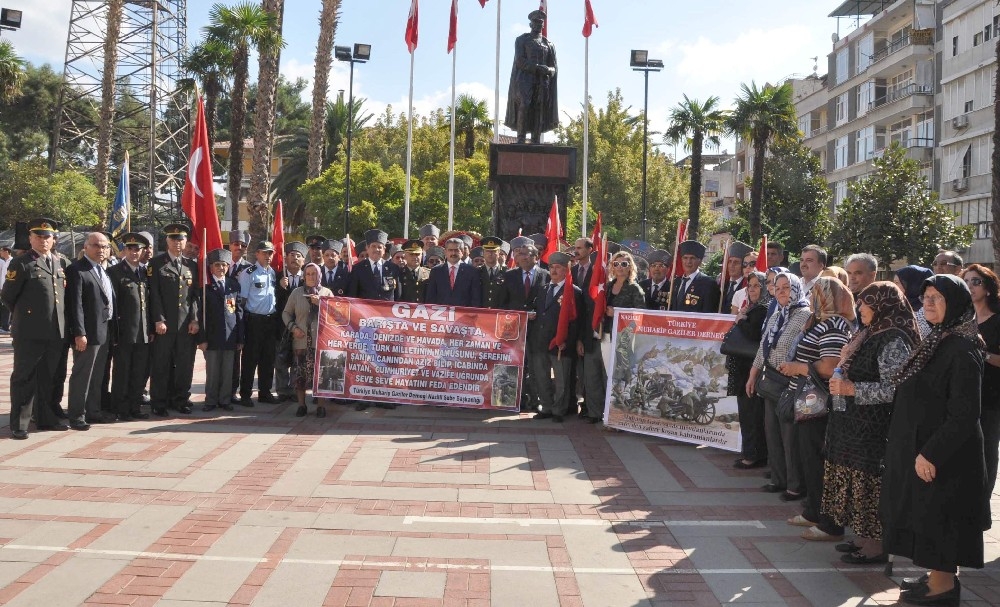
855 439
933 502
985 289
826 333
911 280
780 337
301 316
750 408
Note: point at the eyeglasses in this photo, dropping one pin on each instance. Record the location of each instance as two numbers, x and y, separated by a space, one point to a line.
974 282
938 264
931 299
433 262
620 264
749 264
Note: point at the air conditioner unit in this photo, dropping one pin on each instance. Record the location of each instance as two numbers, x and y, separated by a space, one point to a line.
961 184
960 122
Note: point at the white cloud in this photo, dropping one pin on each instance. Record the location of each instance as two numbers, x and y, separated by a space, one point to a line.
42 37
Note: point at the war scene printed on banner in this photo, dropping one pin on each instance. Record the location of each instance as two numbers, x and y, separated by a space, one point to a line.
333 367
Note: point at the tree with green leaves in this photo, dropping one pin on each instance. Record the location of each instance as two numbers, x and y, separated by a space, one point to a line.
472 120
762 117
695 124
329 19
113 24
893 215
376 196
11 72
67 195
211 63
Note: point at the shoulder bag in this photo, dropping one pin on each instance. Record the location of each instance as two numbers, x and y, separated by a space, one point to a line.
736 343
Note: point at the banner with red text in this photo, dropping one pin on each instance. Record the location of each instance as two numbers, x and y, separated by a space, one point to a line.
417 354
667 378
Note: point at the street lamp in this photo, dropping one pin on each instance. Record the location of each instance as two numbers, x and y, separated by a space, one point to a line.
641 62
10 19
360 54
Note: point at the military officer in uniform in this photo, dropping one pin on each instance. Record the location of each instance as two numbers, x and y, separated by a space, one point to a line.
657 287
173 304
333 271
414 275
239 242
34 290
315 244
694 292
491 274
258 290
433 256
375 277
134 333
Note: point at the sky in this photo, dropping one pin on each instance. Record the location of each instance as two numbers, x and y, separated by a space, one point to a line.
708 48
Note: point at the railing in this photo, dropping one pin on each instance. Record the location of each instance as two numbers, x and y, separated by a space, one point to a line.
895 94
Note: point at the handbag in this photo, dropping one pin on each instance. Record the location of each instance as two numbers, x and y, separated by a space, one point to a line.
772 384
284 351
812 397
736 343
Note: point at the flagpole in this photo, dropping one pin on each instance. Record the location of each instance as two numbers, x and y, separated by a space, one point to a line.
496 84
673 264
586 128
128 195
409 156
451 158
724 274
202 259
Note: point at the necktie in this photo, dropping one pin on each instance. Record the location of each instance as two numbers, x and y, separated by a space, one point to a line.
295 281
377 268
106 287
550 295
653 293
329 277
683 290
177 264
138 273
527 284
451 276
48 263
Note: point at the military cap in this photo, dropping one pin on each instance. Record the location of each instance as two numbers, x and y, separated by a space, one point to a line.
333 244
239 236
435 252
264 245
537 15
220 256
466 239
43 226
376 236
505 247
560 258
413 246
739 249
394 248
148 237
539 240
429 230
176 231
491 243
476 252
315 241
135 239
297 247
692 247
656 255
521 241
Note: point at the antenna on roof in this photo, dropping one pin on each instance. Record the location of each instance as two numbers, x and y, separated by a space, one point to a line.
815 66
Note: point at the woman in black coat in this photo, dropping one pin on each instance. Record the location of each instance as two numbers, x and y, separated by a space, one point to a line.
751 408
933 488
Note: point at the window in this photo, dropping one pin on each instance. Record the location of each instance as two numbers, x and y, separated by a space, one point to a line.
987 33
842 67
841 108
866 96
804 124
977 39
967 163
954 46
968 106
865 50
925 129
996 26
839 193
840 153
865 144
900 132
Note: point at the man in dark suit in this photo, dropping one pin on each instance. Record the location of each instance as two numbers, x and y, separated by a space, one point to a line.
414 275
333 272
173 305
454 283
733 271
656 287
521 288
34 291
221 335
315 244
695 292
375 277
588 369
550 361
491 274
133 333
89 309
291 278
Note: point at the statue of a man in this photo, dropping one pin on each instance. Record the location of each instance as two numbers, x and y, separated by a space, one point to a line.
531 101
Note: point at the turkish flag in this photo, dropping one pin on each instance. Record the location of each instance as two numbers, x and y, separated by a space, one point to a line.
482 3
544 7
453 26
198 198
762 255
589 21
678 268
553 231
352 254
411 28
278 238
599 278
567 312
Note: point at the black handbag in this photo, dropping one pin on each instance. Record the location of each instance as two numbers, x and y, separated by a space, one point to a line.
736 343
812 397
772 384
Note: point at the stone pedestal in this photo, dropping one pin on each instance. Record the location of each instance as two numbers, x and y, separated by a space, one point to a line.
524 179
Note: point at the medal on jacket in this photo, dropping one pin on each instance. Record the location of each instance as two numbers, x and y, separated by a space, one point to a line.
388 283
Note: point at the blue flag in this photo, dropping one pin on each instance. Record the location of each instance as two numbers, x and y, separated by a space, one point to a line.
120 208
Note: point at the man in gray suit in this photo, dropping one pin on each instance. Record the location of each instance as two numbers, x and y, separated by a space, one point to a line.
90 306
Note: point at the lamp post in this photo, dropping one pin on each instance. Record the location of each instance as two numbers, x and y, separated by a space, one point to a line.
10 19
641 62
360 54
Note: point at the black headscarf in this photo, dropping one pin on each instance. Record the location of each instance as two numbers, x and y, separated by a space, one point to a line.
912 279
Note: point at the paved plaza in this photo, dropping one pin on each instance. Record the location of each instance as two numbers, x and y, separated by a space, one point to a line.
409 507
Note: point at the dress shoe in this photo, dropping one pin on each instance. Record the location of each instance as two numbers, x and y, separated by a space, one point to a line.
246 401
235 399
301 411
125 417
542 415
100 418
79 425
160 412
184 409
267 397
59 427
320 411
208 408
139 415
909 583
787 496
850 546
858 558
284 398
61 414
772 488
226 407
18 434
557 419
920 596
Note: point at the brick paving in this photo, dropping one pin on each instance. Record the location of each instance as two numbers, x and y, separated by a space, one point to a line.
408 507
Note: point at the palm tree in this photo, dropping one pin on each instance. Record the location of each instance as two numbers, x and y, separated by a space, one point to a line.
211 62
267 91
240 27
335 125
329 18
12 69
472 119
107 120
695 124
762 116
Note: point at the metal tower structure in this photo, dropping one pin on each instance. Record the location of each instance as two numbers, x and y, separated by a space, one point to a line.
152 109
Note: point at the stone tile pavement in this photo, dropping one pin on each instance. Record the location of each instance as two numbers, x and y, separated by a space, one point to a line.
410 507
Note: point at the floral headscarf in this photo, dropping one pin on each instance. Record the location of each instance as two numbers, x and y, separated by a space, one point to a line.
890 310
831 298
797 299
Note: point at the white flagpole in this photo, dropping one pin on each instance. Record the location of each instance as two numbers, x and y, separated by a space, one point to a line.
409 156
451 159
496 84
586 128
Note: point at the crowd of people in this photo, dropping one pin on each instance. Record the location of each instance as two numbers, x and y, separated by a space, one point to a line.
904 453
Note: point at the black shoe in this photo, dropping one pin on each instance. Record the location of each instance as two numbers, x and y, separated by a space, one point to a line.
557 419
208 408
78 425
847 547
301 411
60 414
267 397
857 558
18 434
542 415
360 406
159 412
184 409
919 596
139 415
284 398
52 427
772 488
100 418
741 465
246 401
909 583
235 399
320 411
226 407
791 497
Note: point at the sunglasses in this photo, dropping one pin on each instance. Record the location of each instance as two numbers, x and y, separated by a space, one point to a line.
620 264
974 282
931 299
749 264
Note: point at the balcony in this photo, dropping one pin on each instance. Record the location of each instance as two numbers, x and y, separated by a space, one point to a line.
914 48
901 92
